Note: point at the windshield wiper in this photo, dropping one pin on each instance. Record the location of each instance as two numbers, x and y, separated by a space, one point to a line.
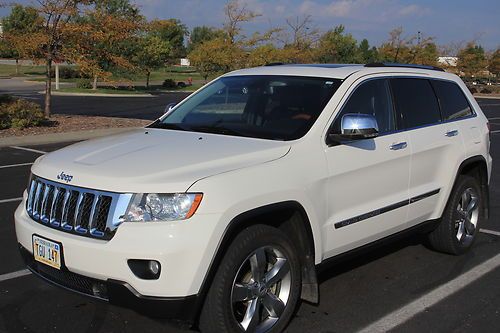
171 126
217 130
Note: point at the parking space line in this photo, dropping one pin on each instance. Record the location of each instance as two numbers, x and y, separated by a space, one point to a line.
15 165
10 200
407 312
13 275
491 232
29 149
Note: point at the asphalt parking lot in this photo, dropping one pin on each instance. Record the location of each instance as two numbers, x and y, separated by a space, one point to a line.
403 287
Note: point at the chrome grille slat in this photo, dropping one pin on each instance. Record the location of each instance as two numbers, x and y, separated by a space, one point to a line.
36 202
53 206
75 210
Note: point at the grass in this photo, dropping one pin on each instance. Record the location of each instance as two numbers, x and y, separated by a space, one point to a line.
133 91
10 70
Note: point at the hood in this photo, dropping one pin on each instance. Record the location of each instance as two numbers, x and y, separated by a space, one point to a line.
154 160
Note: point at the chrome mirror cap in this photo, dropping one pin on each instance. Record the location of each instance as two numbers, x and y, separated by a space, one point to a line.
358 126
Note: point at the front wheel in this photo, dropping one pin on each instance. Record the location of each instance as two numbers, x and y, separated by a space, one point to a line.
257 285
461 218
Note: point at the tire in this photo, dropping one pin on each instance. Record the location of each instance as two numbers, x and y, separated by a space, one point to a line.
247 275
458 228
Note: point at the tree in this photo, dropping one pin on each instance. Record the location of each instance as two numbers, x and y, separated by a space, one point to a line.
367 55
236 14
48 42
202 34
103 40
171 31
300 34
494 63
335 46
21 21
152 53
396 49
472 60
217 56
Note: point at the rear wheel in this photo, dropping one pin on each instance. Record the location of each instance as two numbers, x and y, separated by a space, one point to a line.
257 285
461 218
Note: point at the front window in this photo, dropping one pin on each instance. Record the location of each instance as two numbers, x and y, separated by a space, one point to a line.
267 107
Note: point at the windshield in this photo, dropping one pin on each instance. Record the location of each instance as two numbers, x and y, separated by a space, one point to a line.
267 107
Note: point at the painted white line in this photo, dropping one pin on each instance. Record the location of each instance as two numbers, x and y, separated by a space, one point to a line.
29 149
497 131
10 200
426 301
15 165
13 275
491 232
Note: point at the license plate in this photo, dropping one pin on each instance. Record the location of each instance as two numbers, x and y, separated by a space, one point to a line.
47 252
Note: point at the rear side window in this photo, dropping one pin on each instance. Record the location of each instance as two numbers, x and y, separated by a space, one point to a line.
453 103
415 102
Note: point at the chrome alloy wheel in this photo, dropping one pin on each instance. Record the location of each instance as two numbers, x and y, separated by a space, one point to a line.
261 289
468 215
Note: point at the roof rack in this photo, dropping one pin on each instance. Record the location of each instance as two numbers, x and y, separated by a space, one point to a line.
388 64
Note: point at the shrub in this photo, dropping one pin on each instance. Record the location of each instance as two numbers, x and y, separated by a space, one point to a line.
20 113
84 84
486 91
6 99
169 83
472 90
66 72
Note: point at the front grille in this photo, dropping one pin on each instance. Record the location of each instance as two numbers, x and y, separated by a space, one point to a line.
72 209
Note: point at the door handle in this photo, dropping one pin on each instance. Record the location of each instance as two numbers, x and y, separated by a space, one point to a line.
398 146
451 133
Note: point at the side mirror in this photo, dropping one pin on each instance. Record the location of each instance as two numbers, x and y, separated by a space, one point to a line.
169 107
355 126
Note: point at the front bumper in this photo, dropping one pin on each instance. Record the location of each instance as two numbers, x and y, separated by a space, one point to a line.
184 249
183 309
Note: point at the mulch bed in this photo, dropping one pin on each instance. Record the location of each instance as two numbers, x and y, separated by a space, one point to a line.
72 123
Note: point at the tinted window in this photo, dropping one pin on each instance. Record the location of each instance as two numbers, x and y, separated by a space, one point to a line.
415 102
267 106
453 103
371 98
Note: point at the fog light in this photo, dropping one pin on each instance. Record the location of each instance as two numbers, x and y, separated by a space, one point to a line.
154 267
145 269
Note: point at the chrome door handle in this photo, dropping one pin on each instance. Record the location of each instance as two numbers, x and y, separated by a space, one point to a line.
451 133
398 146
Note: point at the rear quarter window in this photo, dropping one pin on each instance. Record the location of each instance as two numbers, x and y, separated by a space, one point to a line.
415 101
452 100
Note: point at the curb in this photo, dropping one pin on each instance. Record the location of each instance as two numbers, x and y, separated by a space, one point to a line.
55 93
61 137
486 96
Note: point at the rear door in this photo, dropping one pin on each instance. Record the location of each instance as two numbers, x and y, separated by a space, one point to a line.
436 145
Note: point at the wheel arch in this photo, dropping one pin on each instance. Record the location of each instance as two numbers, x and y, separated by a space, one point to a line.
288 216
477 167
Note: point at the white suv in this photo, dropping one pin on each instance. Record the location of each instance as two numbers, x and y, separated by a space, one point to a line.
221 211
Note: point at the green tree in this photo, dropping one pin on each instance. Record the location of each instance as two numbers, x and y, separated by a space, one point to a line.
173 32
367 55
472 60
336 46
152 53
202 34
118 8
21 21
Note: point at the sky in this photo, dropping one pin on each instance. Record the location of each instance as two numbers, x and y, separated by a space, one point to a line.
448 21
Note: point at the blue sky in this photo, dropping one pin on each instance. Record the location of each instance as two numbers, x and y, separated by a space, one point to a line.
447 20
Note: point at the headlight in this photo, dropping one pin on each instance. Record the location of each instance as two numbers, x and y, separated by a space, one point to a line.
146 207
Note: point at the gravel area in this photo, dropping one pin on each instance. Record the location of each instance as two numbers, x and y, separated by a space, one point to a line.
72 123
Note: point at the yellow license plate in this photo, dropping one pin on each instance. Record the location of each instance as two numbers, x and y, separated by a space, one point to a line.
47 252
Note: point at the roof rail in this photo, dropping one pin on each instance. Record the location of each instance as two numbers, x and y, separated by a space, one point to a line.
388 64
